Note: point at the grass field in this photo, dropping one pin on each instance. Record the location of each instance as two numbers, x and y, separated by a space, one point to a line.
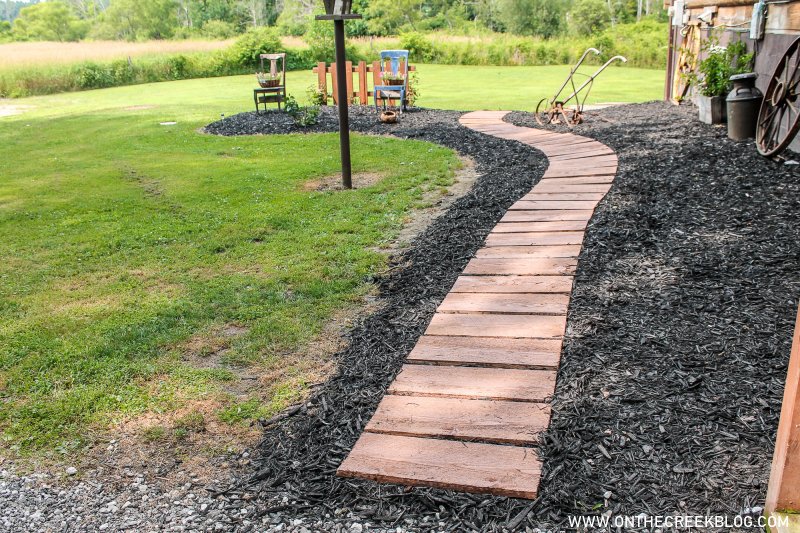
41 53
441 86
148 268
153 269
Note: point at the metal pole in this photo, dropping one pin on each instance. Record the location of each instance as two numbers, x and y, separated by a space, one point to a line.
343 101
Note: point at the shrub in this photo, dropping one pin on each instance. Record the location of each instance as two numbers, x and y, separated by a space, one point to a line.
419 47
218 29
245 51
303 116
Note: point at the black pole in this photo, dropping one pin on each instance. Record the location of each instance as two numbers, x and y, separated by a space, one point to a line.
343 101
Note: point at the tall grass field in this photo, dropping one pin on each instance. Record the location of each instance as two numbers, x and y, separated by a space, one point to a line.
29 69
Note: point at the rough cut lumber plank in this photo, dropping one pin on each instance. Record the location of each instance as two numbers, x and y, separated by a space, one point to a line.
549 188
497 325
544 304
534 239
551 204
545 215
583 155
569 250
458 418
569 180
548 226
783 492
529 266
513 284
562 172
537 194
474 382
487 351
471 467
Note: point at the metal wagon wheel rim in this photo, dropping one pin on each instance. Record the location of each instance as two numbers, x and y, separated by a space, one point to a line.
779 116
544 112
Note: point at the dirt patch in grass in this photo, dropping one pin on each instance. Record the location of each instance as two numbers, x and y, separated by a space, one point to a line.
361 180
190 444
8 110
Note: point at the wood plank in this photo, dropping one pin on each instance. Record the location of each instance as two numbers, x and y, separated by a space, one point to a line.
458 418
607 178
513 284
561 172
562 196
529 266
567 250
546 215
474 382
547 187
514 304
551 204
584 154
497 325
783 492
486 351
547 226
534 238
471 467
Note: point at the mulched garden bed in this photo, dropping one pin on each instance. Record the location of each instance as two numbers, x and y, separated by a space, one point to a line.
678 333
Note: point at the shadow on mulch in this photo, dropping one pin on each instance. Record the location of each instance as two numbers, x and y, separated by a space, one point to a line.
678 334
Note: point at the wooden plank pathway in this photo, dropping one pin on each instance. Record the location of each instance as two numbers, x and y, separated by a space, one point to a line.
466 409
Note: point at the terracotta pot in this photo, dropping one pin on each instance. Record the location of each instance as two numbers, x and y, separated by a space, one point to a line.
388 117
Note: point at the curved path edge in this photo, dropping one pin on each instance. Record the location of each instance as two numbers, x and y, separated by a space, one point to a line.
465 410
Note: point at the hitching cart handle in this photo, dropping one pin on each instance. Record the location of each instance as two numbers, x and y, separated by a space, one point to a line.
572 73
593 76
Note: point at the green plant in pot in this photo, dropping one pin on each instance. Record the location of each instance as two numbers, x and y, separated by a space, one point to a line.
712 80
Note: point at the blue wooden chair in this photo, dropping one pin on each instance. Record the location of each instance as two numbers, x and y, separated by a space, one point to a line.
394 66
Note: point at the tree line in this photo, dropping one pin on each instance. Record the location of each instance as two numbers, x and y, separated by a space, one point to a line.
72 20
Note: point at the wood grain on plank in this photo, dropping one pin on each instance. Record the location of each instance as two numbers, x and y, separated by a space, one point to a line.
546 187
513 284
510 384
459 418
546 215
537 194
545 304
528 205
569 180
534 238
528 266
546 226
471 467
567 250
486 351
498 325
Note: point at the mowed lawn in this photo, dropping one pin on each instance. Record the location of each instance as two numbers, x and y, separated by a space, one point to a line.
146 267
153 269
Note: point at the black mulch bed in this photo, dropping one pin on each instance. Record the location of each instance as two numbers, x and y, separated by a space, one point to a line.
679 332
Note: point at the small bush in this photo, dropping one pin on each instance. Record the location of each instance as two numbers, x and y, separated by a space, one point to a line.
419 47
303 116
245 51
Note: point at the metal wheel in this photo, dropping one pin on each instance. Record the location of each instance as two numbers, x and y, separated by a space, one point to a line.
779 117
545 113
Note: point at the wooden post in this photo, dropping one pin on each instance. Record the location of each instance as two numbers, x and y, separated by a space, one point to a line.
362 83
349 77
783 493
322 81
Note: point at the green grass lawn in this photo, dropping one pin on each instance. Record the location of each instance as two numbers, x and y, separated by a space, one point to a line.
147 267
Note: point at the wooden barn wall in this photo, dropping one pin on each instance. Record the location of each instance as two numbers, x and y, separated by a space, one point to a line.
782 28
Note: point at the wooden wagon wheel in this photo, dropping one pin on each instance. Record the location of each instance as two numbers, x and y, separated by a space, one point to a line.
779 117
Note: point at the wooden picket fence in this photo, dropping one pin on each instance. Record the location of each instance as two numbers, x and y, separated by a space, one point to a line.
362 69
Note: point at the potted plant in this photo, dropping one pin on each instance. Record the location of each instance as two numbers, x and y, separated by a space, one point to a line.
712 80
267 79
390 78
